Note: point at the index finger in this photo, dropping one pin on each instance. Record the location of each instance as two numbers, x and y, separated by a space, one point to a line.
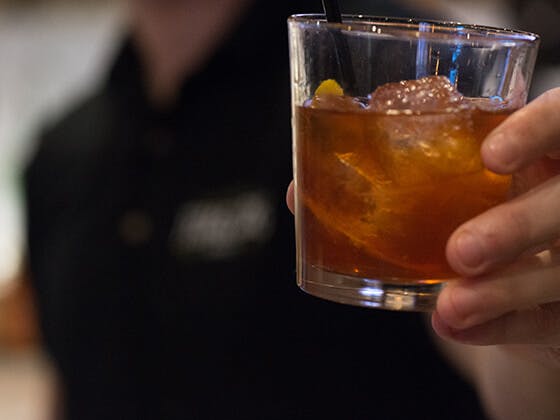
528 134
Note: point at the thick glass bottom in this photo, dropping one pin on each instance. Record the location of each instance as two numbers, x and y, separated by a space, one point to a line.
373 293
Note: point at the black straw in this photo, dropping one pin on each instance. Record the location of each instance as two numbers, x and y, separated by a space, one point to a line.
332 12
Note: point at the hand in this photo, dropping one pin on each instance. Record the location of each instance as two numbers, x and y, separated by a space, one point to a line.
509 294
507 302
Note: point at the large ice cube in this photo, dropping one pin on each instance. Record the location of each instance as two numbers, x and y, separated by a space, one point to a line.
428 94
415 149
424 131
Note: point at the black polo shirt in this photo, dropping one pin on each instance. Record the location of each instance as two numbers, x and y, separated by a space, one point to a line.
162 255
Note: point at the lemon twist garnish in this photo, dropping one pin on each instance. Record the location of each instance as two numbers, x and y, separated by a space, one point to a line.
329 87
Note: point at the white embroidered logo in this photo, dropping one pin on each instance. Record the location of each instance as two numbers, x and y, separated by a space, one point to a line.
221 228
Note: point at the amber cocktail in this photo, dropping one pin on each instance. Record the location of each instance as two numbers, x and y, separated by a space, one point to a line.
384 176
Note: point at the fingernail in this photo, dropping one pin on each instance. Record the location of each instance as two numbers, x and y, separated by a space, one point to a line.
503 149
469 250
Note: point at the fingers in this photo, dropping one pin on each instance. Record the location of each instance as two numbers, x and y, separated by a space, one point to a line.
527 135
529 283
290 197
540 326
525 144
520 305
503 233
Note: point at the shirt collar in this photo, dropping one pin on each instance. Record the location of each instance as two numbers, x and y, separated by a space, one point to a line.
261 35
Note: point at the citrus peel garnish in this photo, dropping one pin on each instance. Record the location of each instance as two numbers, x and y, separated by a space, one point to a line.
329 87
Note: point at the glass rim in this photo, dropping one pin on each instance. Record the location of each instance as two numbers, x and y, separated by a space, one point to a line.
359 23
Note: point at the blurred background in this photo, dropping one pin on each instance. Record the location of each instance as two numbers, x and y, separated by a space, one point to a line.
53 53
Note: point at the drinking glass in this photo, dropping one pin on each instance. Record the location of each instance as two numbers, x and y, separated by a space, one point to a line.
388 118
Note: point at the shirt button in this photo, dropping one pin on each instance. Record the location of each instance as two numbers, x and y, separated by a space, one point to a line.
135 227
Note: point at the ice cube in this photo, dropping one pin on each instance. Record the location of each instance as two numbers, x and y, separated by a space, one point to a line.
428 94
419 149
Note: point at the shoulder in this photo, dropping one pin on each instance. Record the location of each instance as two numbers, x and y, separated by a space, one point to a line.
68 154
65 144
71 136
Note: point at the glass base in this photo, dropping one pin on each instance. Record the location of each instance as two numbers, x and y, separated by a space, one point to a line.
372 293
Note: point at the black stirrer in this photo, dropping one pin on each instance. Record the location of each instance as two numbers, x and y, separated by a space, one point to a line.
332 12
